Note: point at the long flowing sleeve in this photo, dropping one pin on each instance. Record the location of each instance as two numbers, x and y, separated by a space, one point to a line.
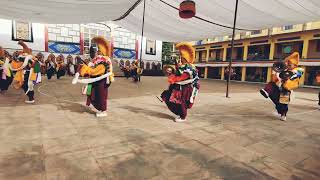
298 72
175 78
294 81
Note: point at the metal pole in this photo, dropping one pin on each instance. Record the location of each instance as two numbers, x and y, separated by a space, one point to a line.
232 44
142 32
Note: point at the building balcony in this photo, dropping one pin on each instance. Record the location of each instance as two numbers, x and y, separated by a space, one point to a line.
312 25
214 59
287 29
229 38
200 60
311 59
256 59
258 33
236 60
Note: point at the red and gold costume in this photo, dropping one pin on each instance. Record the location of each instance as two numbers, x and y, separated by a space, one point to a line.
283 83
99 76
135 70
27 70
183 82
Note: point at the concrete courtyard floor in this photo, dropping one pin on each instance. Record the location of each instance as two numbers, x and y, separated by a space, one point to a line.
58 138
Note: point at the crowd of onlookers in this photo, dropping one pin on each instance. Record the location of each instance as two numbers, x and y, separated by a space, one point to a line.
51 65
132 70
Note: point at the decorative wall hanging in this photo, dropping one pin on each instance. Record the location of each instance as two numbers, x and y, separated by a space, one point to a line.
22 31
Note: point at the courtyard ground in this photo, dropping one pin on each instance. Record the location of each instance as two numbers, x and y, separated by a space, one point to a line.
58 138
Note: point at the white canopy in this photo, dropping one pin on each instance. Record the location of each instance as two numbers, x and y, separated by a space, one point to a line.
64 11
162 21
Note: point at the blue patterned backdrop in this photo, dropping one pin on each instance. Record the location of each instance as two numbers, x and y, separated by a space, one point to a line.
124 53
63 47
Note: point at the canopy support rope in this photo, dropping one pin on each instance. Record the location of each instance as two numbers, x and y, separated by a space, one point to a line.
129 11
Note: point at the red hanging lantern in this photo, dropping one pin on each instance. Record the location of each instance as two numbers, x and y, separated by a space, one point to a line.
187 9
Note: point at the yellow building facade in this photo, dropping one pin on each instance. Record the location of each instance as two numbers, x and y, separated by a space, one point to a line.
254 53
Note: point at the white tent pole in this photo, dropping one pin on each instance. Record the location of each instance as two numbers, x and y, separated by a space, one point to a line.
232 44
142 32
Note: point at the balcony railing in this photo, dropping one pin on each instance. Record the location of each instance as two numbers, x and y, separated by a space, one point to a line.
240 60
201 60
214 59
310 59
235 60
258 57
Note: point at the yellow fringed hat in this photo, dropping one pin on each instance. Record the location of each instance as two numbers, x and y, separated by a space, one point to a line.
103 45
187 51
294 58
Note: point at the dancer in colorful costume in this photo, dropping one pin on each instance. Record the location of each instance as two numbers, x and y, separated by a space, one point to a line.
184 85
98 77
125 69
5 72
27 70
285 78
135 71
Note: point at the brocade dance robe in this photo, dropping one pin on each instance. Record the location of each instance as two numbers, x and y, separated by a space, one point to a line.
28 77
279 90
97 92
182 90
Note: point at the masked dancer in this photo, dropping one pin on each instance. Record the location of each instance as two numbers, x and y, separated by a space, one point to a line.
285 78
26 70
98 76
183 82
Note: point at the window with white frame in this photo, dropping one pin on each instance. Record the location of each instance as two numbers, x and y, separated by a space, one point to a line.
151 47
90 31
